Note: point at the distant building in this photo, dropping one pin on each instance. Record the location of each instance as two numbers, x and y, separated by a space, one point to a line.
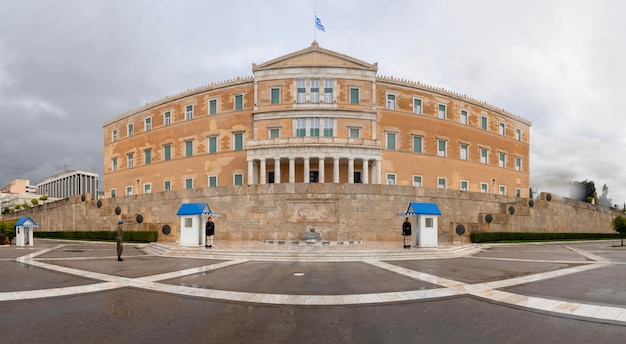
17 186
69 183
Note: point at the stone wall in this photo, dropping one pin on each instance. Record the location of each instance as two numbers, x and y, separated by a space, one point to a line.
339 212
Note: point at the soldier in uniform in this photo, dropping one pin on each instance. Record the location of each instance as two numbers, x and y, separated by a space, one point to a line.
406 231
118 239
209 231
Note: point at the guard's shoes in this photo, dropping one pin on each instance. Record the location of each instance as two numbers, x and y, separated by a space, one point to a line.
407 246
206 245
119 259
210 246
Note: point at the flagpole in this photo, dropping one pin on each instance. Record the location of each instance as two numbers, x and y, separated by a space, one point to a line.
314 26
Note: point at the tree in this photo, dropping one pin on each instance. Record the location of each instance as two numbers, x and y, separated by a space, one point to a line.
604 200
619 225
43 198
584 191
18 206
34 201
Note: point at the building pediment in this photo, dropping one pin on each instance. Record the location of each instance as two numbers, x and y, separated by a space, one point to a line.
315 56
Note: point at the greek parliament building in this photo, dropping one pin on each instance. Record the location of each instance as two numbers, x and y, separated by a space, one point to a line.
316 116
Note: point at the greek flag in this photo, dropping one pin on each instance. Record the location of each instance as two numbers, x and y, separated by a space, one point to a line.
318 24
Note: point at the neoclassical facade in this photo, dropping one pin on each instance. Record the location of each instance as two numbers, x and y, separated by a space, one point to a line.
316 116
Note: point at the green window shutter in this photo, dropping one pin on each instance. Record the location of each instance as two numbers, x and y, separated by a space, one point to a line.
188 148
328 132
239 179
275 95
238 141
212 144
354 96
417 144
167 152
212 181
239 102
212 107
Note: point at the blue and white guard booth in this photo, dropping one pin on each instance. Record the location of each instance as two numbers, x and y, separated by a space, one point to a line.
423 217
24 231
192 223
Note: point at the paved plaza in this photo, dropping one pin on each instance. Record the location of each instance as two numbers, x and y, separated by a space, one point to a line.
251 292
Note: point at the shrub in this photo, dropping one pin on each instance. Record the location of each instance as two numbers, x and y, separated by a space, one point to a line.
479 237
129 236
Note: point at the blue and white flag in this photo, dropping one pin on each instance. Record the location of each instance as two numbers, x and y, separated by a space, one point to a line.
318 24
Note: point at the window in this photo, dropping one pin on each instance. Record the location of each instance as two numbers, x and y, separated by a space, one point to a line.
502 190
417 181
518 192
274 133
484 187
167 185
114 164
518 163
212 145
300 127
483 122
391 179
428 222
275 95
502 160
441 183
130 159
315 91
355 133
518 134
113 193
464 185
441 147
238 102
167 152
328 91
131 129
484 155
441 111
188 148
147 156
212 106
501 128
463 151
114 135
147 123
417 106
463 117
238 141
270 177
189 183
212 181
314 131
354 95
129 191
238 179
167 118
301 90
328 127
391 140
189 112
417 144
391 101
188 222
147 188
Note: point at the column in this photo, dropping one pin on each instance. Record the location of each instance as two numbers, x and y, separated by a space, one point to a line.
365 171
292 170
321 168
351 170
276 170
306 170
263 167
379 171
335 170
250 172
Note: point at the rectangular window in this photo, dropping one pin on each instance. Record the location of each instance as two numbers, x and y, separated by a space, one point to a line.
417 181
441 147
188 222
355 133
463 150
314 131
189 112
114 135
441 183
114 164
484 187
212 106
167 152
463 117
518 134
518 163
131 160
188 148
484 155
167 118
131 130
354 95
391 141
417 144
238 140
483 122
212 144
147 188
275 95
328 91
391 101
417 106
501 128
502 160
238 179
518 192
129 191
502 190
300 127
328 127
301 90
113 193
315 91
391 178
212 181
147 156
464 185
270 177
274 133
441 111
147 123
238 102
167 185
189 183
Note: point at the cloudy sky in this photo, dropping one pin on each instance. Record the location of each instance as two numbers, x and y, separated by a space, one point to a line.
66 66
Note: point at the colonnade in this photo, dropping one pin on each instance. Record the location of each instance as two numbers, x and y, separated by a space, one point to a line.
68 185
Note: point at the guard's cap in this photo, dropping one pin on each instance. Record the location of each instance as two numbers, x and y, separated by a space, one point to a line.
120 223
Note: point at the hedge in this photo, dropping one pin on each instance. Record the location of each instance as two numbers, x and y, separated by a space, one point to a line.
129 236
478 237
